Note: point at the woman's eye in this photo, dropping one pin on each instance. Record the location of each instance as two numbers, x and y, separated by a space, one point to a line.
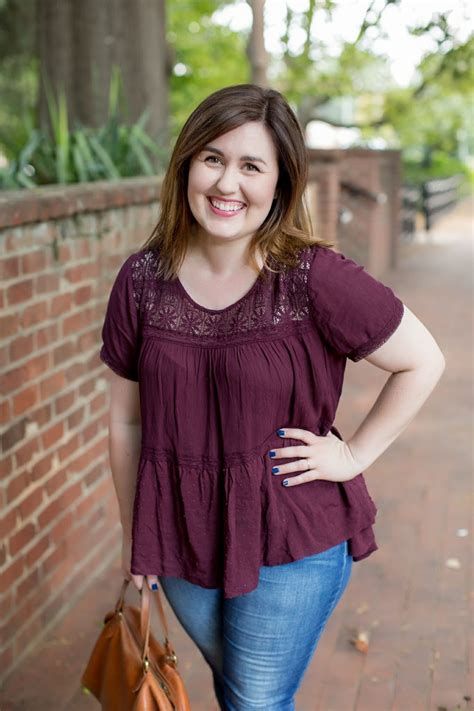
216 158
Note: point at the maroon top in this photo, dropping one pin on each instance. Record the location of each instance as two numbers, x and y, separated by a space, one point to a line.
215 385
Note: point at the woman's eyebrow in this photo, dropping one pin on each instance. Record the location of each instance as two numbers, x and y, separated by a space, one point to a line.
216 150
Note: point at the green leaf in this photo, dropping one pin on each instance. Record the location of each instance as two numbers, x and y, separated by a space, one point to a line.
80 164
143 161
110 169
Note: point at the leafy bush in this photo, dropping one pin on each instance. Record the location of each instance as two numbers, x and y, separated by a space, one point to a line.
83 154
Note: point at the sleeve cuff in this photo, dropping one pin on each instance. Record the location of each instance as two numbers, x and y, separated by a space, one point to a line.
375 342
118 369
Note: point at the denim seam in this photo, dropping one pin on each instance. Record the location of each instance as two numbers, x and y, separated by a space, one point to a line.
345 548
335 595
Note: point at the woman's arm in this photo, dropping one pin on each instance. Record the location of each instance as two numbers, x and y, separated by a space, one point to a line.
413 357
125 432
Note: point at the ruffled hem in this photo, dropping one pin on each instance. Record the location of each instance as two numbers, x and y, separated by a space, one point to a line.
217 526
214 581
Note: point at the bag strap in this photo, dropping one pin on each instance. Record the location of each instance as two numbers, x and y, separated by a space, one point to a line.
145 593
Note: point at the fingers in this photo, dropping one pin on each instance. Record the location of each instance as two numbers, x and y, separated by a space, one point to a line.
297 433
287 452
312 475
301 465
137 580
152 581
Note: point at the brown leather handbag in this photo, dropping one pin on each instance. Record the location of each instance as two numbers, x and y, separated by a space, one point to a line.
128 669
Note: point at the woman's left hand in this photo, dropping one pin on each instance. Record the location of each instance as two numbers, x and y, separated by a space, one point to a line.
327 457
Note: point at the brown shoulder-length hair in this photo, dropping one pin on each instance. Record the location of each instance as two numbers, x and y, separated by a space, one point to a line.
287 227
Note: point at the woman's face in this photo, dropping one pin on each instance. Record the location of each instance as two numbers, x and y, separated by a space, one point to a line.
238 172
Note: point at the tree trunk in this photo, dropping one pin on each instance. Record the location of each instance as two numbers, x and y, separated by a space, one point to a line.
256 52
79 43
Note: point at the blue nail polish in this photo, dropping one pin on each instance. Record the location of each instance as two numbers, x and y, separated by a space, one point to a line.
154 586
275 470
280 432
285 482
272 453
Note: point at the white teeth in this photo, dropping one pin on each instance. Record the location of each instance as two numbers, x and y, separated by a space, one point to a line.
227 206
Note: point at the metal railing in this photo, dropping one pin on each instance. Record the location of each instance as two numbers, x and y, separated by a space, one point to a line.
411 204
439 196
432 198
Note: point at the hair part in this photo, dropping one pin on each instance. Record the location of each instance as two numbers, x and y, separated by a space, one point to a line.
288 227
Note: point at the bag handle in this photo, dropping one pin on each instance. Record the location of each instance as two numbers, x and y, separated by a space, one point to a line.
145 594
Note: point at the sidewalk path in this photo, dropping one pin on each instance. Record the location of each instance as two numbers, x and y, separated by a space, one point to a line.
416 609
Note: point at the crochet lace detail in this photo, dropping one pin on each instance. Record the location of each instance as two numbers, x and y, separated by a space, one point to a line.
282 300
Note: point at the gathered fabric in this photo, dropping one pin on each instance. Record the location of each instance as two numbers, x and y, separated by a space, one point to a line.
215 386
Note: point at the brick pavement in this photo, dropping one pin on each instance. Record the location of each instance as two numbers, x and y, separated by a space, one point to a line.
416 610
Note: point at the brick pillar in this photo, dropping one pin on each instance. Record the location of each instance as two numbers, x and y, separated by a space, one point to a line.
324 192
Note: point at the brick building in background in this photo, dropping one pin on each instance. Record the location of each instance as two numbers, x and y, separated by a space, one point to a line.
60 250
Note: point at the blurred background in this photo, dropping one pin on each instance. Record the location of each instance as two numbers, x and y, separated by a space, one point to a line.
94 90
92 97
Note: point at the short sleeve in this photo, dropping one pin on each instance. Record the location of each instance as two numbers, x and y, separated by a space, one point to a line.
355 313
120 330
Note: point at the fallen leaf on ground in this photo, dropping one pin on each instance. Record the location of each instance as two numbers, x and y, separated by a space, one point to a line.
453 563
361 641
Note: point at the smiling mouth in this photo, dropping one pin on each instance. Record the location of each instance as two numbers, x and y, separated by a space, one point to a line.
225 212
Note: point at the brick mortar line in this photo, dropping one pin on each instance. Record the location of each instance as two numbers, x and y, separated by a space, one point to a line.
48 247
74 476
65 608
67 201
65 340
77 384
13 311
51 548
7 283
47 529
81 399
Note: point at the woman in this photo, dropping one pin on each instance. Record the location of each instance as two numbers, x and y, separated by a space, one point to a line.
228 334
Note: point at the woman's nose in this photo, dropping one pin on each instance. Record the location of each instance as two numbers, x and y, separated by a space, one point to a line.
228 180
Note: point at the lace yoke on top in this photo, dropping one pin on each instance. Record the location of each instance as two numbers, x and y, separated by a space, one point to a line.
207 506
171 309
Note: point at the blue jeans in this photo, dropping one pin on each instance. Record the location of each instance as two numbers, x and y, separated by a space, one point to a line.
259 644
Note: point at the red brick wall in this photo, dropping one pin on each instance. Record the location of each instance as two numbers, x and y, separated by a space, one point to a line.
371 237
59 252
324 191
60 249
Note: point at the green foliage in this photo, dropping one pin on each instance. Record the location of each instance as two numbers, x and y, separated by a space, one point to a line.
441 166
18 87
315 76
434 126
83 154
430 121
210 55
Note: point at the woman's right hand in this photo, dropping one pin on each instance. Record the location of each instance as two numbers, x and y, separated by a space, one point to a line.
126 560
